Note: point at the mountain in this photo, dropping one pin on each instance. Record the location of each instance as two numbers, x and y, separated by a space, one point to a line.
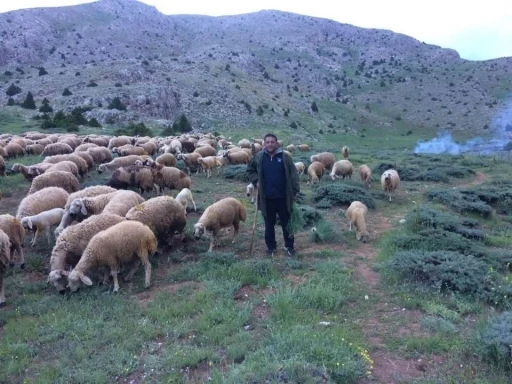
264 69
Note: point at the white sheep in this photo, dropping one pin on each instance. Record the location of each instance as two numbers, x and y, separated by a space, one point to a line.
390 182
343 169
290 148
224 213
326 158
209 162
42 222
315 172
42 200
366 175
119 162
118 141
345 151
128 241
83 207
163 214
71 244
356 214
64 180
185 198
5 260
249 191
300 167
16 233
100 155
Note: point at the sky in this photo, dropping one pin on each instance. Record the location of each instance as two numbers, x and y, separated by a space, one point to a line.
478 30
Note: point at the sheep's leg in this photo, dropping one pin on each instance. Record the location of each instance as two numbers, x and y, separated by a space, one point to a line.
2 293
134 268
208 173
213 239
114 272
236 226
48 235
36 235
147 270
195 208
350 226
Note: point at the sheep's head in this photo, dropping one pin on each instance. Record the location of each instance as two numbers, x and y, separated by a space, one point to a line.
26 222
250 189
75 280
363 236
59 279
199 230
77 207
102 168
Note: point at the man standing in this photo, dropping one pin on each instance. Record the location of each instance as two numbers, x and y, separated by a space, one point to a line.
273 172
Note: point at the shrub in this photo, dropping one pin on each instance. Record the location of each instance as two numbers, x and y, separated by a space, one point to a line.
314 107
461 202
94 123
45 106
236 172
343 194
432 240
66 92
10 101
323 232
134 129
117 104
496 340
29 102
13 90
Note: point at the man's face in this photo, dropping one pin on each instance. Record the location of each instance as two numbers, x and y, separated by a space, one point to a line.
270 144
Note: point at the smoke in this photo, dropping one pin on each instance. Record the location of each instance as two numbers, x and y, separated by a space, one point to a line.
501 127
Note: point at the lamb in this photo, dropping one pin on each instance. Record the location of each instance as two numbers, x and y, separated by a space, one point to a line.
249 191
190 160
169 177
122 243
304 147
2 166
34 149
136 176
209 162
239 157
119 162
163 214
224 213
315 172
16 233
166 159
65 180
390 182
326 158
356 214
42 222
5 260
300 167
100 155
366 175
92 191
185 198
80 163
71 244
343 169
345 152
42 200
59 148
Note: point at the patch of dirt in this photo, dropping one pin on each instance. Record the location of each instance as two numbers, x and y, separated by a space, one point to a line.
148 296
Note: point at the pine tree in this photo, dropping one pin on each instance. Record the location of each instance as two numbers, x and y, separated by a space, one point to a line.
183 124
45 107
66 92
314 108
29 102
13 90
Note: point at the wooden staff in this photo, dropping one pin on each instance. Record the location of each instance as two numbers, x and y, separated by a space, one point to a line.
255 220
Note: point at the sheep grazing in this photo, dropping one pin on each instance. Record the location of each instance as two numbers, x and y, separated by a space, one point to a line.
390 182
164 215
315 172
5 260
71 244
300 167
83 207
249 191
13 150
34 149
304 147
88 159
222 214
366 175
118 141
42 200
128 241
206 150
62 166
343 169
42 222
190 160
290 148
64 180
238 157
326 158
57 149
119 162
209 162
133 176
16 233
345 151
356 214
169 177
79 162
185 198
166 159
100 155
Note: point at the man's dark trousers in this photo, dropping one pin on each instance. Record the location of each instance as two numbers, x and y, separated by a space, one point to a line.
277 206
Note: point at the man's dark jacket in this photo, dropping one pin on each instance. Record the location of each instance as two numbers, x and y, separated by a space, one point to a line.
255 172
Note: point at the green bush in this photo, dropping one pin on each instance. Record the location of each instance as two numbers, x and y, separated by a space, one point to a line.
343 194
432 240
66 92
117 104
13 90
460 202
29 102
236 172
310 215
496 340
446 270
134 129
323 232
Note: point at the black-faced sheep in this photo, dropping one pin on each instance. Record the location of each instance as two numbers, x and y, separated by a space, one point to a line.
128 241
164 215
42 222
343 169
64 180
390 182
315 172
222 214
5 260
71 244
16 233
366 175
356 214
326 158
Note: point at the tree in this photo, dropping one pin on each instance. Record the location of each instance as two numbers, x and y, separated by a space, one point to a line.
314 108
42 71
45 107
29 102
10 101
13 90
66 92
117 104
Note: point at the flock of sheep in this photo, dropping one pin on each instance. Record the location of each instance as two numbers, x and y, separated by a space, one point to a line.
102 227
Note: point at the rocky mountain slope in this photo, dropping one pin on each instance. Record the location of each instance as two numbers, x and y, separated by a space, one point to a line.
262 69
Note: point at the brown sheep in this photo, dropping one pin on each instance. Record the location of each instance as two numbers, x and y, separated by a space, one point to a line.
326 158
366 175
315 172
356 214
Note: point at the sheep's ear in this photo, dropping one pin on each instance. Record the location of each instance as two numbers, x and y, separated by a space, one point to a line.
29 223
358 236
85 280
83 210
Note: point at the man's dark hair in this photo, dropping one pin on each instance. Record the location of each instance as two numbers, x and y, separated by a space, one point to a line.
269 135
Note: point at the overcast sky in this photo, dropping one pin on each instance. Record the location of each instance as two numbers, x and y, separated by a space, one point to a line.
478 30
